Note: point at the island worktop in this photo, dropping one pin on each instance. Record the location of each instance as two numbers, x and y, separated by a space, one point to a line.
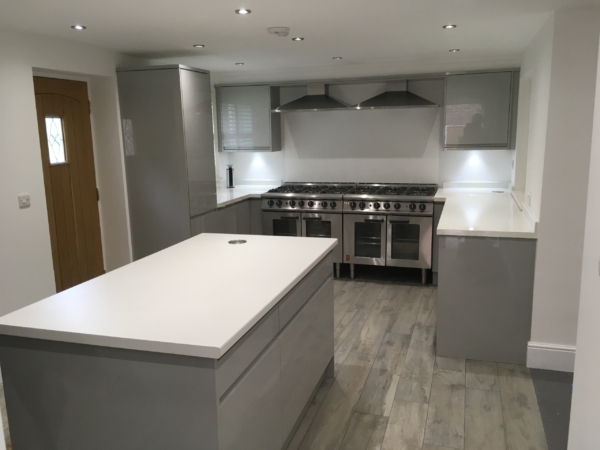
196 298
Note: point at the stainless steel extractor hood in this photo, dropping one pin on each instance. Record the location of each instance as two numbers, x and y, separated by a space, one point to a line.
395 99
318 99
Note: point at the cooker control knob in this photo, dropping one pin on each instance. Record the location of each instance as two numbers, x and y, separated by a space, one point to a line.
333 204
292 203
270 203
279 203
386 205
324 204
397 205
352 205
422 207
301 203
412 206
311 203
362 205
376 205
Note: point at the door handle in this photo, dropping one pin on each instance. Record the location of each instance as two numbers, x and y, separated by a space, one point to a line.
313 218
290 218
375 220
399 221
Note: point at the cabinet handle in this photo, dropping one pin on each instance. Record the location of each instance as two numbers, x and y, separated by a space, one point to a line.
290 218
399 221
375 220
313 218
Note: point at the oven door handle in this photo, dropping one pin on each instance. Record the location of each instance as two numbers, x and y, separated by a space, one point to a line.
399 221
289 217
375 220
312 218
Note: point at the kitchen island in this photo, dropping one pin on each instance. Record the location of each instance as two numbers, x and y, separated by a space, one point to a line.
205 345
486 249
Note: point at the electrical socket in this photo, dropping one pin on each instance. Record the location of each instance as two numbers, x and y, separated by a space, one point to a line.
529 199
24 201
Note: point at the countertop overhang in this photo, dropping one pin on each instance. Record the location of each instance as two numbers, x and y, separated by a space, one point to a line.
196 298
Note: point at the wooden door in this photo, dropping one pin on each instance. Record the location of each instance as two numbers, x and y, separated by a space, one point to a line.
63 114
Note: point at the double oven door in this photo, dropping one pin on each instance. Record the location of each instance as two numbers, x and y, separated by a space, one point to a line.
379 240
307 225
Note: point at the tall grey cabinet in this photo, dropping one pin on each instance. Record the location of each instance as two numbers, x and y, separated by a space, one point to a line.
169 154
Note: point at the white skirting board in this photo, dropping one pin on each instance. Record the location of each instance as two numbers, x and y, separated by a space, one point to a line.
541 355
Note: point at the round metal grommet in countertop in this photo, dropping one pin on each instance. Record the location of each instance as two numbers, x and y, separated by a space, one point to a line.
238 241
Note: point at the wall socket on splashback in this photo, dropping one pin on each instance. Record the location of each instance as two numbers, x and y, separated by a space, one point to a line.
529 199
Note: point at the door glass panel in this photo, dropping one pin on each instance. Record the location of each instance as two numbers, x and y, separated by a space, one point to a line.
367 239
285 227
318 228
405 241
56 140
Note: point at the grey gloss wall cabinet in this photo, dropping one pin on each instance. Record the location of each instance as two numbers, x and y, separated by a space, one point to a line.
245 120
169 153
479 110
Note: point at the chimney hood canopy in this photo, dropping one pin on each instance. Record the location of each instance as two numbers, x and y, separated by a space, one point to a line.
318 99
395 99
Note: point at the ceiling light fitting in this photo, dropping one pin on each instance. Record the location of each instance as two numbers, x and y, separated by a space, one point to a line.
279 31
298 39
78 27
199 45
243 11
337 58
454 50
239 64
449 27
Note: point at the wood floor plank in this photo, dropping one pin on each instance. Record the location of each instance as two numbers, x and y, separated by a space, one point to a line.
524 428
406 426
331 421
449 371
338 285
347 334
365 432
417 371
373 331
380 388
345 298
446 416
482 375
435 447
408 302
310 414
368 295
484 425
427 315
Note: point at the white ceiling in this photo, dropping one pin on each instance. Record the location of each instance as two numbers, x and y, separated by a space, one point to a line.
361 31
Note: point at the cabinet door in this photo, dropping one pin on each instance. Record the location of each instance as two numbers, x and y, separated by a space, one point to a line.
220 221
250 414
437 214
306 349
478 110
256 216
242 217
245 118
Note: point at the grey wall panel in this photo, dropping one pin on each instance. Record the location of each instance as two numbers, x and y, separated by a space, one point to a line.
485 297
155 160
255 205
199 141
437 214
71 397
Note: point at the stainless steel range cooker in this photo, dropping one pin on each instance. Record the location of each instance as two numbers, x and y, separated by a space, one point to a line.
375 224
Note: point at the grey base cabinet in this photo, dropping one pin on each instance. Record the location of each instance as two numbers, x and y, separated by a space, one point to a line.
241 218
485 296
72 396
438 208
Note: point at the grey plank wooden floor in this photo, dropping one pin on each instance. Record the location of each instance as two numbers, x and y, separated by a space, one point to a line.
391 392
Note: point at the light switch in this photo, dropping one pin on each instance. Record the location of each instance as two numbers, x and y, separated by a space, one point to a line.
24 201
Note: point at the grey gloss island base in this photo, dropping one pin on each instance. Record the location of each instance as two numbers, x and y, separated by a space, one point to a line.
485 295
71 396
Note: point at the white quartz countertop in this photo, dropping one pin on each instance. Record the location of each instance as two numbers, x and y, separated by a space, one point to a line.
229 196
196 298
481 212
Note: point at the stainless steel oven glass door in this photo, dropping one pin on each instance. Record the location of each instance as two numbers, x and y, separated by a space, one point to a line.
364 239
281 224
324 226
409 241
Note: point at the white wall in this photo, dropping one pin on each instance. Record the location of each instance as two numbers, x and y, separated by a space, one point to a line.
584 432
565 165
25 256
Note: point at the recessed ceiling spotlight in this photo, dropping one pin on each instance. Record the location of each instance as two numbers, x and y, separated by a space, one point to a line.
298 39
337 58
78 27
239 64
449 27
242 11
199 45
454 50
